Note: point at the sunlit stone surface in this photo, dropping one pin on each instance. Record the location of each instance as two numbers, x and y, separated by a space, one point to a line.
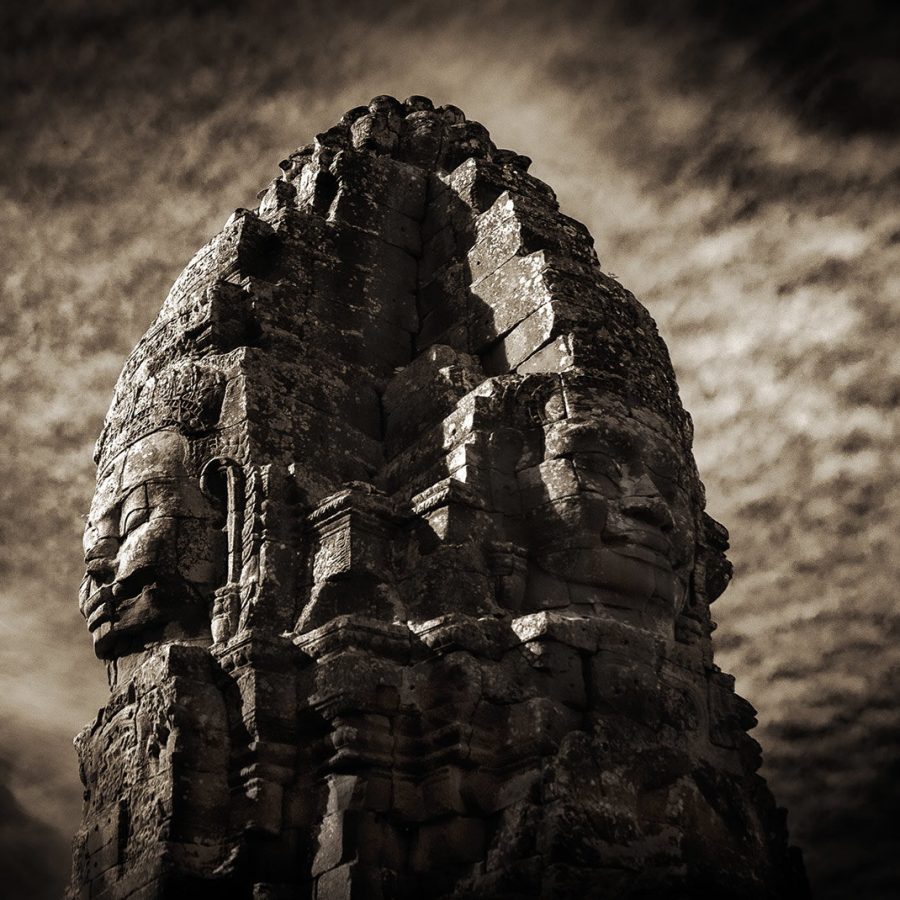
399 563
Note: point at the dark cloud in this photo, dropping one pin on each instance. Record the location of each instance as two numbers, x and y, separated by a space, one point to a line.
737 164
834 61
34 857
858 800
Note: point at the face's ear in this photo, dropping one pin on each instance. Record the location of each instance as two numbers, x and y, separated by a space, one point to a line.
222 482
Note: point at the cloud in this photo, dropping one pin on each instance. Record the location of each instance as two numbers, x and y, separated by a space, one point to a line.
737 167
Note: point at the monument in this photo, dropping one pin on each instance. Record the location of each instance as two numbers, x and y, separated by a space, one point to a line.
399 565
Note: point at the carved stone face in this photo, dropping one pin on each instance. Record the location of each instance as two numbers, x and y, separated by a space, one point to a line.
153 549
623 507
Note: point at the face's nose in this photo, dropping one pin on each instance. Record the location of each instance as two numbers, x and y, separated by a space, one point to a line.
100 560
645 505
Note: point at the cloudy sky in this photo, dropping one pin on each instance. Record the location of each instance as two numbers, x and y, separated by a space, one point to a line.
738 164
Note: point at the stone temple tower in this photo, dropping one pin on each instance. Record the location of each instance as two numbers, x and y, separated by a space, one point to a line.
399 565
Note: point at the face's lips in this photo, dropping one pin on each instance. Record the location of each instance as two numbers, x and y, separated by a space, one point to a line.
101 605
641 542
644 554
98 607
637 535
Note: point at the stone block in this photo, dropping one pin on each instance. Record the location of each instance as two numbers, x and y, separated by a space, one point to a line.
362 288
513 227
505 297
449 578
263 805
559 671
536 726
375 343
355 792
355 247
545 591
548 322
355 881
363 836
479 183
406 799
395 184
353 682
445 286
361 210
446 318
421 137
442 792
626 687
408 409
507 681
452 841
513 789
441 252
578 632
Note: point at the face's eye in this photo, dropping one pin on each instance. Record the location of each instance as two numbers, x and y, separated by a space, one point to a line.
663 462
667 488
134 519
599 464
618 441
134 511
165 496
667 473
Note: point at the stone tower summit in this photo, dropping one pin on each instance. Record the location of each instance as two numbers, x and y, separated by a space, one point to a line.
399 565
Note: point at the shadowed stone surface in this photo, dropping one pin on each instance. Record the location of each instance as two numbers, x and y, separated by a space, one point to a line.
399 563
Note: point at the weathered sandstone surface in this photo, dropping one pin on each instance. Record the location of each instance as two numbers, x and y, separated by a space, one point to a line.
399 563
